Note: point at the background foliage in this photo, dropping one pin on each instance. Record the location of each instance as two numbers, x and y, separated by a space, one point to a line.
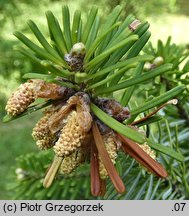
174 131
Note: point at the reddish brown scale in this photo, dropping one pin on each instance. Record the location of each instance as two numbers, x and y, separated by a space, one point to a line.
115 178
94 171
111 149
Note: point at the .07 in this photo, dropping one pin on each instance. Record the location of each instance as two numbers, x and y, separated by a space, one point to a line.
179 207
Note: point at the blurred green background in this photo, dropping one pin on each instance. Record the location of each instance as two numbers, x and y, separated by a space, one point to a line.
166 17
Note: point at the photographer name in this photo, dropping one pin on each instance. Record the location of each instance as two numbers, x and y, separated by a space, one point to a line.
51 207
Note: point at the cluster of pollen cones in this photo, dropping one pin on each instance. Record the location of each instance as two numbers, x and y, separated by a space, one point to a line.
76 136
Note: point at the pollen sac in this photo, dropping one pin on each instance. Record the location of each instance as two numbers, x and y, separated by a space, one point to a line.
42 134
72 135
71 162
113 108
21 99
148 150
111 148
